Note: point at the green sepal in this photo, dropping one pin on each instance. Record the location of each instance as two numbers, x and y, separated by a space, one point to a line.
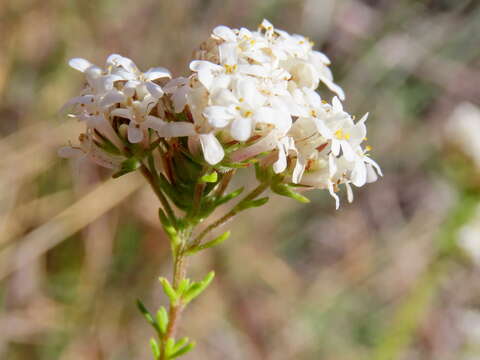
229 196
179 194
129 165
209 178
285 190
263 175
197 288
183 350
155 348
168 289
162 319
251 204
209 244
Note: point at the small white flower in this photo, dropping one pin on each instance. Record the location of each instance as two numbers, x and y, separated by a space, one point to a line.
140 120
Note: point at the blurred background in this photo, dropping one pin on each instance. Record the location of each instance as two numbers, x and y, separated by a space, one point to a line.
395 275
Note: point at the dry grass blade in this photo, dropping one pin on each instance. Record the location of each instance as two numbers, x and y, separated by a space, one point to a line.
68 222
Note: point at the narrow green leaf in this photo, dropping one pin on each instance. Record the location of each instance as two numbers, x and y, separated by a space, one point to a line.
162 319
155 348
285 190
145 312
183 286
198 287
167 225
209 178
251 204
168 289
183 350
180 343
229 196
169 344
218 240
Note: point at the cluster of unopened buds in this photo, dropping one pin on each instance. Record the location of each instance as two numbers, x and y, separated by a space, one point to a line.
250 98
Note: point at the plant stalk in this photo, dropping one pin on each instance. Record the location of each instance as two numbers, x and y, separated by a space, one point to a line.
228 216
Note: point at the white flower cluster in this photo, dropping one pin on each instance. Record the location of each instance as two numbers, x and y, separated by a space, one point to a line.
251 95
119 99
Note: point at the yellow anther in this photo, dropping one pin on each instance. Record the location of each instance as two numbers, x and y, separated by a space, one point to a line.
365 138
230 68
324 102
313 113
368 148
340 135
248 114
241 99
237 107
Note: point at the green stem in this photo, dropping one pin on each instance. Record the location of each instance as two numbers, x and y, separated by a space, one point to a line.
156 189
228 216
175 310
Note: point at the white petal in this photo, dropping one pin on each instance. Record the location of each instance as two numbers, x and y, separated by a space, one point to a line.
218 116
174 84
336 147
281 120
334 195
281 164
359 173
157 73
371 174
179 99
228 53
177 129
266 143
323 129
247 90
154 89
135 134
80 64
204 70
321 57
169 129
298 170
334 87
347 150
241 128
112 97
349 192
225 33
212 149
123 113
337 105
369 160
312 98
126 63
